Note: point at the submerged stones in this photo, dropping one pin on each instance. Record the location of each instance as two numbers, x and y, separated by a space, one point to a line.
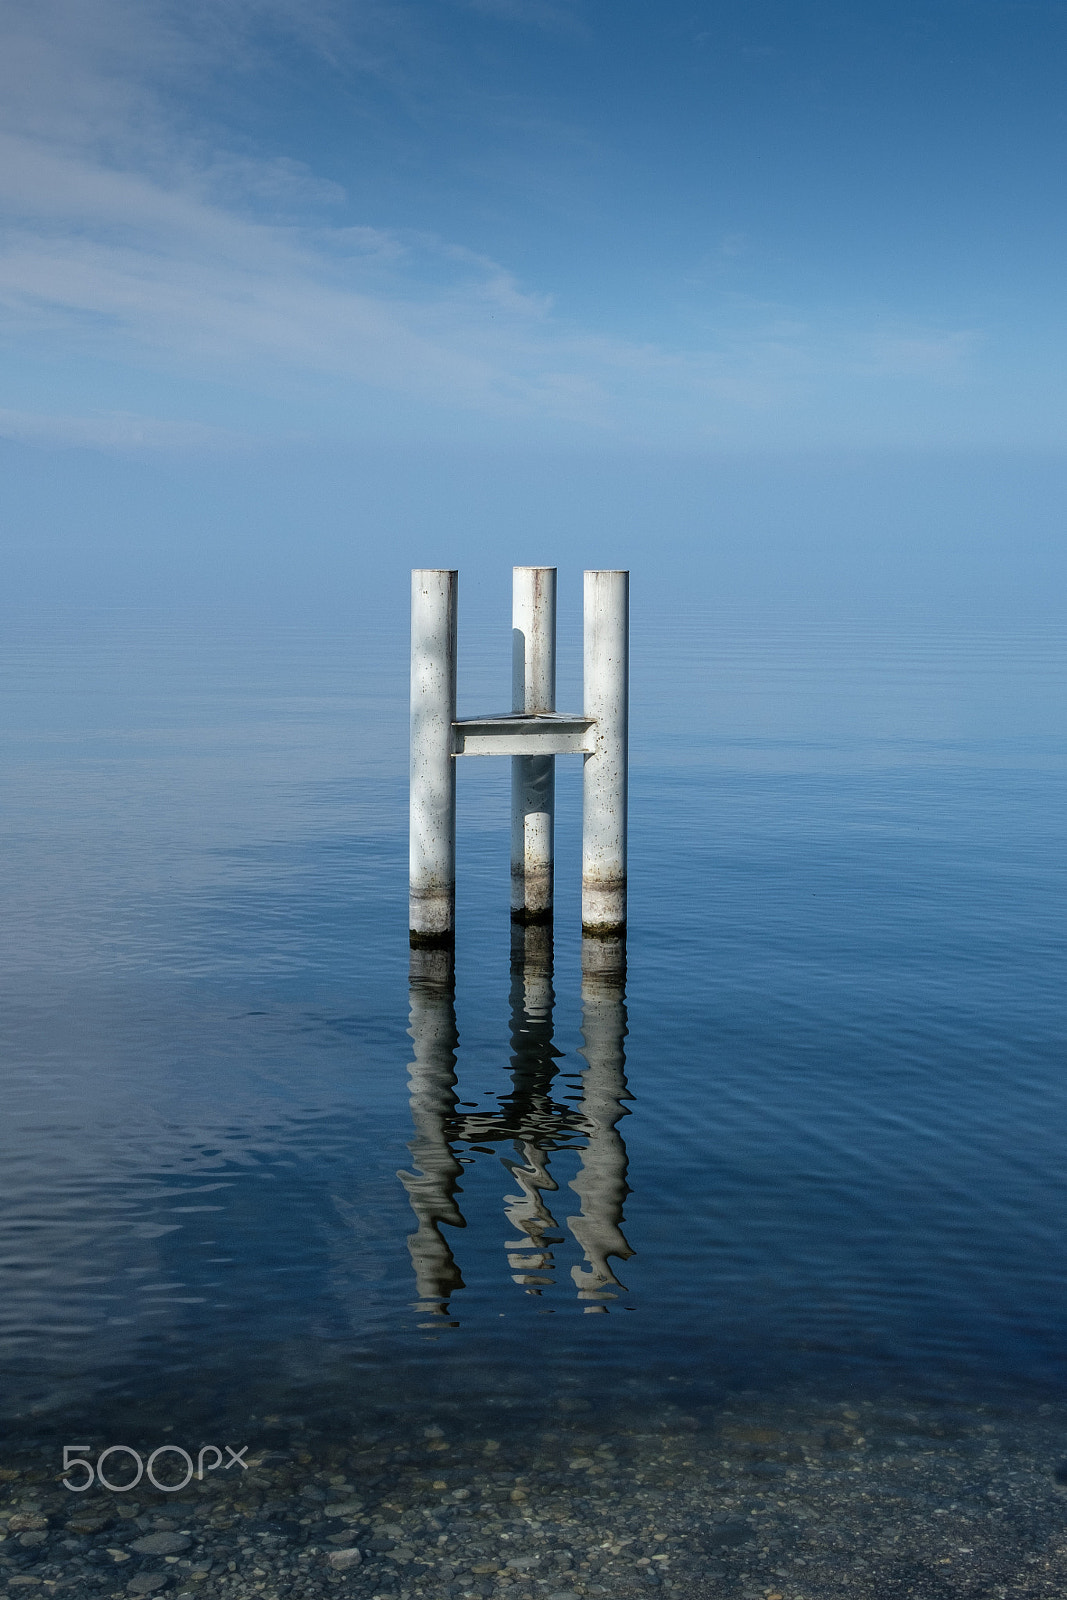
346 1508
723 1535
871 1502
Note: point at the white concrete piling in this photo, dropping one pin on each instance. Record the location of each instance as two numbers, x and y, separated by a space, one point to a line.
533 734
533 778
604 786
432 899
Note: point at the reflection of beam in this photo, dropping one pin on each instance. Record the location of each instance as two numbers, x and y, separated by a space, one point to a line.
601 1183
431 1082
533 1066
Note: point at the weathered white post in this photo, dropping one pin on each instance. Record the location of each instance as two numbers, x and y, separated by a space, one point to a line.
533 778
533 733
432 900
607 651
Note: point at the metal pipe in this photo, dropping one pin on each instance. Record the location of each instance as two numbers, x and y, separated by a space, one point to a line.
533 778
606 669
432 880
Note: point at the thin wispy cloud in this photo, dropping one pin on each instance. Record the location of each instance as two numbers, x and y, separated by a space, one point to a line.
117 431
135 232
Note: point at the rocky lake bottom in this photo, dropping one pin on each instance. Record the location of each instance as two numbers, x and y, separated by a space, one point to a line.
760 1497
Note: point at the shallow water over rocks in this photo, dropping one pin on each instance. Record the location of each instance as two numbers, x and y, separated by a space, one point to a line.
800 1496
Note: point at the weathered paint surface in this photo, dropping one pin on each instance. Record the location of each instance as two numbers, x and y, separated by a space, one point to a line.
432 834
533 777
604 786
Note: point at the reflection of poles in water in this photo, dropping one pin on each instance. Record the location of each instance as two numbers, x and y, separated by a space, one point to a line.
533 1067
528 1117
601 1183
431 1081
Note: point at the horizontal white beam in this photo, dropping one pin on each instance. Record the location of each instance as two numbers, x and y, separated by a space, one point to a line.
551 733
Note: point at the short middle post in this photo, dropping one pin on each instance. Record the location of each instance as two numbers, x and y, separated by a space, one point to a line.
533 778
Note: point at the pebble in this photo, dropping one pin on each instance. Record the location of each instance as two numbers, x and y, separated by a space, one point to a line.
343 1559
89 1524
162 1544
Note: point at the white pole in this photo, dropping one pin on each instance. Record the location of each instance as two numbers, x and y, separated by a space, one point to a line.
533 778
607 627
432 901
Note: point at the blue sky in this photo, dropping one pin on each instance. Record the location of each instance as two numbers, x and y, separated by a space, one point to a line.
241 232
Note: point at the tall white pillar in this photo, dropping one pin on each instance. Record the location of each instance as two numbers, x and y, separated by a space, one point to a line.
607 651
533 778
432 880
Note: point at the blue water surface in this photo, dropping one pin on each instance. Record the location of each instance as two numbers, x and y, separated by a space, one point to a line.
817 1126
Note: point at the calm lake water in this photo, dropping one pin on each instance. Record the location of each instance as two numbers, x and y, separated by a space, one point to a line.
814 1132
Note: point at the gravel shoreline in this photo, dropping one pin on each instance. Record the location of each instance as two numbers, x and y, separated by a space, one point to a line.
751 1498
